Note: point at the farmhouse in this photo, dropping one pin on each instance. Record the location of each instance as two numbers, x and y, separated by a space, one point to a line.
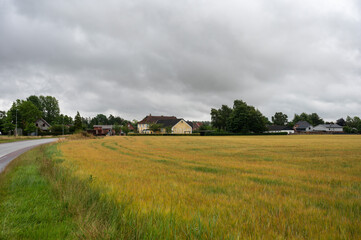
328 128
143 126
169 124
42 124
279 129
303 126
175 126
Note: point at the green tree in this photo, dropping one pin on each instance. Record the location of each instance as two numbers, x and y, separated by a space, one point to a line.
117 129
25 114
312 118
155 127
125 128
315 119
67 120
216 119
51 110
99 119
135 125
29 114
78 125
48 106
57 129
2 121
36 101
246 119
220 117
280 119
341 122
354 123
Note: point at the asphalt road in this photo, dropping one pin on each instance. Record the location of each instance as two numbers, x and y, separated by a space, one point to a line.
9 151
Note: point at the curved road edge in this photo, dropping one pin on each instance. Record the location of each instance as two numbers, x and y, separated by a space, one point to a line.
10 151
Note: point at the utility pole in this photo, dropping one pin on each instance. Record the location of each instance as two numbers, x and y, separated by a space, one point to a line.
16 122
63 124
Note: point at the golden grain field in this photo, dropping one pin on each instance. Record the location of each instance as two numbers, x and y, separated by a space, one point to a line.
299 187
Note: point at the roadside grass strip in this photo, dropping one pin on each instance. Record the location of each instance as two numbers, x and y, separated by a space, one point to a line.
28 207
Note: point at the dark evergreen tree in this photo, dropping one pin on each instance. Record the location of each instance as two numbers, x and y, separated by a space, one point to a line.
78 125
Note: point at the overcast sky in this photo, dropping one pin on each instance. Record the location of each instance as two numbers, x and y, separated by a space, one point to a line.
182 58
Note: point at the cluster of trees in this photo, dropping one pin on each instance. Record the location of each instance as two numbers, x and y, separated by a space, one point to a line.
282 119
24 114
100 119
350 125
241 118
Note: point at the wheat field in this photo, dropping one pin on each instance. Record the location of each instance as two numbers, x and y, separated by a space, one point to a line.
231 187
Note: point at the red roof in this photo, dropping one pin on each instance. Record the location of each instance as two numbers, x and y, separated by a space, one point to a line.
153 119
130 126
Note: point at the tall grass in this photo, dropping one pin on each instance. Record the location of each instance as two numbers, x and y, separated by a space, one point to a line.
215 187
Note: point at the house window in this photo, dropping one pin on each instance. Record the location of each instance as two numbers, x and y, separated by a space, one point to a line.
43 124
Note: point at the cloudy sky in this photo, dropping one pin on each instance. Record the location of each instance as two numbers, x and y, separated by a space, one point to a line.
135 57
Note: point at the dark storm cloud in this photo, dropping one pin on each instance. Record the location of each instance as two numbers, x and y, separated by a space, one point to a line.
183 57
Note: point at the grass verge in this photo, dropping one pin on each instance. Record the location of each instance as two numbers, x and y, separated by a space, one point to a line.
28 207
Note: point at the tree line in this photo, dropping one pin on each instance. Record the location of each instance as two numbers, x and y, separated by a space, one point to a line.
243 118
25 112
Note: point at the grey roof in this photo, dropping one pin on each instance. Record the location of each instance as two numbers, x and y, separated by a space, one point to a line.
171 122
168 122
302 124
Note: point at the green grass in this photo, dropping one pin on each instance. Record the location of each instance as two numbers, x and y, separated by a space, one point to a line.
28 207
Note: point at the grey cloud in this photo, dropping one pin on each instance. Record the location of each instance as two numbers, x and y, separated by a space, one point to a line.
183 57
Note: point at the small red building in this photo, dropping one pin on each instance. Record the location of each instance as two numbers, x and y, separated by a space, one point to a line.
103 130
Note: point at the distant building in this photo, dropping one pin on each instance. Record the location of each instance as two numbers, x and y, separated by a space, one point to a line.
102 130
130 127
175 126
42 124
328 128
195 125
279 129
169 124
303 126
143 126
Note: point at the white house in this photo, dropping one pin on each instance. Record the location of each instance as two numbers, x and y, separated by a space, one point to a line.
303 126
328 128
